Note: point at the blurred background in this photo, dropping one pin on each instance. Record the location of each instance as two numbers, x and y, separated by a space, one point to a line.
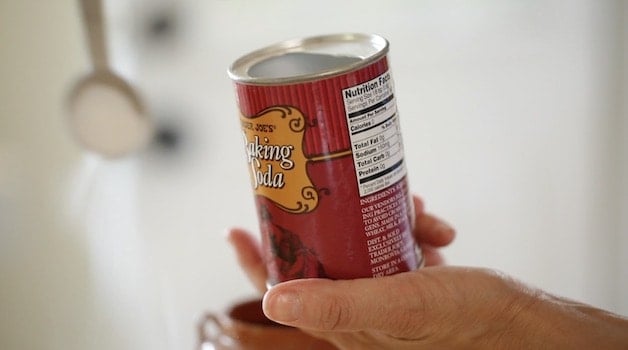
514 116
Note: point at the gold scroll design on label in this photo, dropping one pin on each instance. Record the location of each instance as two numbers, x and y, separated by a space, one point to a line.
277 164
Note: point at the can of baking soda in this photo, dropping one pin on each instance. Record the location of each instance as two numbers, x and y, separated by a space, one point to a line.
324 149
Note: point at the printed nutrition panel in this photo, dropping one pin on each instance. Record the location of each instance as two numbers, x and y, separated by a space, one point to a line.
375 134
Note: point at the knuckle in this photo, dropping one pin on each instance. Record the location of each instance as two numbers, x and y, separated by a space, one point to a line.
335 315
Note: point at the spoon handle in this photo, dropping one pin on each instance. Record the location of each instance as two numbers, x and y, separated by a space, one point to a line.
92 11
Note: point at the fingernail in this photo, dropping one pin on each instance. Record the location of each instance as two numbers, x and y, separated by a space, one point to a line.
282 307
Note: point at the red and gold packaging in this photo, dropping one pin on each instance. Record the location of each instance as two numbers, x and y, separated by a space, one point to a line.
325 154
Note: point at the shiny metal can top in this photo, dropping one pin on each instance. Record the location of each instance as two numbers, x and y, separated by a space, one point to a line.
306 59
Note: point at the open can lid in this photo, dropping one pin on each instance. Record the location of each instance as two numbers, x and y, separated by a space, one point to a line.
305 59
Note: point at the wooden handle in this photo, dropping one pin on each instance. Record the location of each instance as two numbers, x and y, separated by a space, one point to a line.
93 20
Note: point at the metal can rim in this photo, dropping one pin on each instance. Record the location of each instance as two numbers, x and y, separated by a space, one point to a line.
377 44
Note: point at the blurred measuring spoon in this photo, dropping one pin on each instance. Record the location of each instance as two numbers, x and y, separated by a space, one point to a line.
106 114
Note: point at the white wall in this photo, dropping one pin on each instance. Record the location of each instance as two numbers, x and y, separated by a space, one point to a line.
511 118
622 93
44 287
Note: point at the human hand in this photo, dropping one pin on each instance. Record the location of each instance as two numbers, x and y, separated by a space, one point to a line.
431 308
430 232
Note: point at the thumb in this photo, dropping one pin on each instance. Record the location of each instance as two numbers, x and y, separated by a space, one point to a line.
404 305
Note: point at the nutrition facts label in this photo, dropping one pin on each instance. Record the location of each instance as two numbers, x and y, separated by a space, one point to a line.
374 132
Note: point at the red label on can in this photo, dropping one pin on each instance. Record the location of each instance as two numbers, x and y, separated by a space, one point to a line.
327 168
